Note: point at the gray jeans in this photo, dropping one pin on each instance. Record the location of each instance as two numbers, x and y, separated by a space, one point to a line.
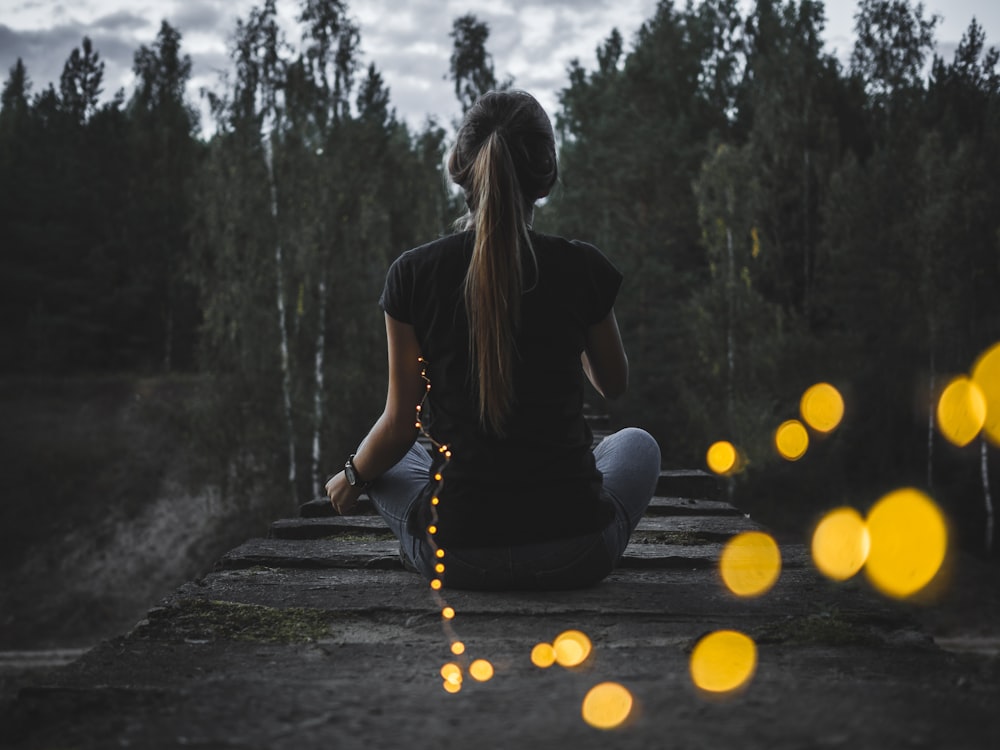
629 461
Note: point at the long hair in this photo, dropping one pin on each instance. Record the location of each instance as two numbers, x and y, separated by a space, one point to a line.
504 159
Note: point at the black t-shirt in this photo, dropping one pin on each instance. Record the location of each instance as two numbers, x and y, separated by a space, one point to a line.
538 482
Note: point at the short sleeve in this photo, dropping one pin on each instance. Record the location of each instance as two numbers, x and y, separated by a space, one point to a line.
397 294
603 280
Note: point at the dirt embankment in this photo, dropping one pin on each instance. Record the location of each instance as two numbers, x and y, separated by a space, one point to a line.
106 504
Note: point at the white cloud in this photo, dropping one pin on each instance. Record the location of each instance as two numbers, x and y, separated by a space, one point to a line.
533 40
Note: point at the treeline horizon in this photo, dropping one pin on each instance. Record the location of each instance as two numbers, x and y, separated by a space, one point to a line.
781 219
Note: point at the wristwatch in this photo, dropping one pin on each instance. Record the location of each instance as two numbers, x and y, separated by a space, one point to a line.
353 477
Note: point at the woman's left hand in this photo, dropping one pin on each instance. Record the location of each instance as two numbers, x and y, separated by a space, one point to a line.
343 496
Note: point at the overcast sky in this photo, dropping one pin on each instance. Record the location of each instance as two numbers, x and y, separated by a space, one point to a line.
531 40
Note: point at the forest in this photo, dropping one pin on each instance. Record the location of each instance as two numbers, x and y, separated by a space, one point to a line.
781 219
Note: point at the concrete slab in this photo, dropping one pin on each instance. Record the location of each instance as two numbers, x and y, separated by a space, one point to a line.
316 638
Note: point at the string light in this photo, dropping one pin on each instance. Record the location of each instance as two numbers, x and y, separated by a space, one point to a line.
453 680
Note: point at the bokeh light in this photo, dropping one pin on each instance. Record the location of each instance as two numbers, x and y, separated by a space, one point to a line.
452 687
448 613
723 661
452 673
607 705
986 374
721 457
571 648
481 670
961 411
543 655
458 648
840 544
822 407
791 440
750 563
909 539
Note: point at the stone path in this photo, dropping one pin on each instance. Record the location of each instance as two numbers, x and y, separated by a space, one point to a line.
316 637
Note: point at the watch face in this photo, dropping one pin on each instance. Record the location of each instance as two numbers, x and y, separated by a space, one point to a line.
352 476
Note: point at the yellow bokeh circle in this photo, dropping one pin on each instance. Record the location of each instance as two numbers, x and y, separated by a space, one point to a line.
840 544
543 655
750 563
822 407
571 648
481 670
452 673
721 457
607 705
909 540
723 661
791 440
986 375
961 411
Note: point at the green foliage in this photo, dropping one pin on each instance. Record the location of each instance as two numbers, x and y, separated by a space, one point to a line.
782 221
351 189
471 65
779 221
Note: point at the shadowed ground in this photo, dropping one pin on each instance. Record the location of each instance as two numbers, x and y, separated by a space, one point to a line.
315 637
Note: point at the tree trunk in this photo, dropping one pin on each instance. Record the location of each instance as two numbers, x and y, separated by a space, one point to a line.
931 420
286 375
319 393
987 500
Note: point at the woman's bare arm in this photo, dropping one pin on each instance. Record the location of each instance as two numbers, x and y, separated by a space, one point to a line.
604 359
395 430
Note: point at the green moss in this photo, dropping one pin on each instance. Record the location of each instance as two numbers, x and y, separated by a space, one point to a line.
199 619
362 537
681 538
826 629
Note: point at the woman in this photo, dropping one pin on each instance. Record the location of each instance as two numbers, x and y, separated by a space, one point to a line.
492 330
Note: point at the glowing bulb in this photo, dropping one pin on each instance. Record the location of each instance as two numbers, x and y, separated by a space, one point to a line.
723 661
822 407
437 477
543 655
721 457
458 648
436 584
439 568
791 440
986 374
607 705
447 454
432 529
909 539
448 613
451 672
571 648
435 500
481 670
840 544
417 425
750 563
439 553
452 687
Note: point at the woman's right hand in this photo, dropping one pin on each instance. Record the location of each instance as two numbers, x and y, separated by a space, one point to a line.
343 496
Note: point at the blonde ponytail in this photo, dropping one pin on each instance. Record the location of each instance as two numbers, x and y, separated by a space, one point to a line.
495 279
504 159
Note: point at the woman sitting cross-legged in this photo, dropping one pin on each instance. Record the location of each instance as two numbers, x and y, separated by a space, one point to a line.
492 331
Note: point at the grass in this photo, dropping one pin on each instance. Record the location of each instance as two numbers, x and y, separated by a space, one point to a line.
199 619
